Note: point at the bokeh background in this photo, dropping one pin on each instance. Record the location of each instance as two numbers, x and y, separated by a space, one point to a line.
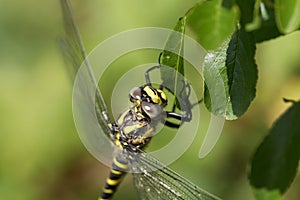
41 156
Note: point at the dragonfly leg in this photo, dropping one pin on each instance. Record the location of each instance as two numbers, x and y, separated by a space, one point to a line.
180 117
147 77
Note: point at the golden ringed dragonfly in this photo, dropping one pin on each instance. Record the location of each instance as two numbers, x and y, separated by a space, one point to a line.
133 130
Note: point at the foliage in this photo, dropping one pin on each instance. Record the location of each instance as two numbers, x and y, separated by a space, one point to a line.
275 162
229 30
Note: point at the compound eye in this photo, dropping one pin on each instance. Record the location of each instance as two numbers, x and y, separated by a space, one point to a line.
135 93
152 110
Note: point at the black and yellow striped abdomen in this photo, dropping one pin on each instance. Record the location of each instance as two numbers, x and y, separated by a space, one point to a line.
117 172
131 128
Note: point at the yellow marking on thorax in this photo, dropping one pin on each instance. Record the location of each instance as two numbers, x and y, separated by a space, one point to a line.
121 118
133 127
117 141
146 135
140 115
118 144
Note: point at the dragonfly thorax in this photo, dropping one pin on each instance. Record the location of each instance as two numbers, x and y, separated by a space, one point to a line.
134 128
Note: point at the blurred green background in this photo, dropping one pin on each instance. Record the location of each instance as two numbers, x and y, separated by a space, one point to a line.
41 155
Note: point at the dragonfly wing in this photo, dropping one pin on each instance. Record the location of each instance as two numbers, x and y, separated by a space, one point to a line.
154 180
74 52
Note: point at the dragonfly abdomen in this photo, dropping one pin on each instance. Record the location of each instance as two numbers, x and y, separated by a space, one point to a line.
117 172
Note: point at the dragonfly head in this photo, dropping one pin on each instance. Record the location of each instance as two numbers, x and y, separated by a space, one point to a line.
148 94
151 100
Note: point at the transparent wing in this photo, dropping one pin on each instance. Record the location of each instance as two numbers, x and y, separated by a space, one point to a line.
153 180
74 52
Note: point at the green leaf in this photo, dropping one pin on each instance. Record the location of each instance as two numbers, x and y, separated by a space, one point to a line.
216 81
263 194
173 56
230 75
172 75
256 21
241 71
246 8
275 161
212 23
228 3
268 29
287 14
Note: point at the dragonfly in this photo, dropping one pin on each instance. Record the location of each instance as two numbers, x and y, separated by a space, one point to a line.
133 130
